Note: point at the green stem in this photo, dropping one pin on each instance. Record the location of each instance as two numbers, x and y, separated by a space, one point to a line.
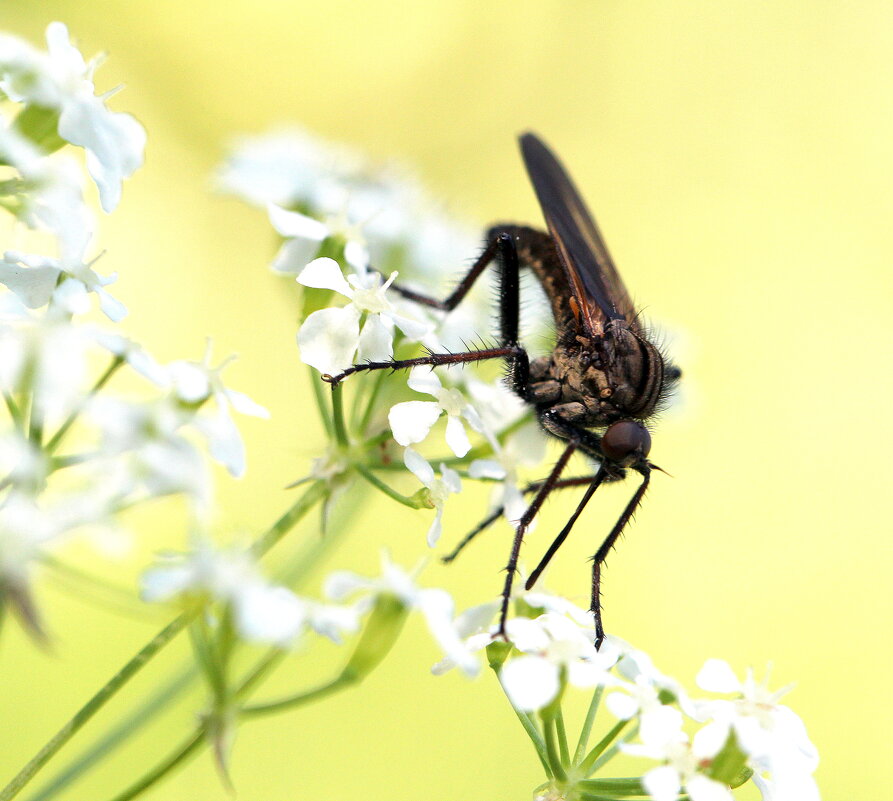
321 404
587 724
14 411
299 699
88 710
623 787
552 749
562 737
118 734
137 662
612 751
536 738
370 404
313 494
117 361
387 490
588 765
176 758
338 415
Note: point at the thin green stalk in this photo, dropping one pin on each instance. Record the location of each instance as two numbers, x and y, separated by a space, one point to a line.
117 735
536 738
623 787
612 751
13 409
117 361
588 765
177 757
376 482
552 749
562 737
587 724
338 415
142 657
314 493
88 710
370 403
299 699
319 394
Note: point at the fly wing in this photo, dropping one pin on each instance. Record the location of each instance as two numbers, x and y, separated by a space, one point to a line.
593 277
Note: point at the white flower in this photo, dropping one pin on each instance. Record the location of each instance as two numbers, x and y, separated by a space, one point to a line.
49 357
663 739
60 79
439 488
412 420
142 447
382 211
304 234
194 383
435 604
262 612
49 194
553 644
527 447
36 281
771 734
329 338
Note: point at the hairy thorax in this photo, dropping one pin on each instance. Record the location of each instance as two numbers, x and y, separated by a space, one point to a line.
595 382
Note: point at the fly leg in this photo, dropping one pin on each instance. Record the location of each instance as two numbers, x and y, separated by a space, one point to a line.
503 248
602 553
580 481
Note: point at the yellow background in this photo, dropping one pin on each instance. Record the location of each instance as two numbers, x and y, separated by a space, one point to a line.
738 157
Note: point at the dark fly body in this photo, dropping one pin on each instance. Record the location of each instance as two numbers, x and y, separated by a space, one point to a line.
604 378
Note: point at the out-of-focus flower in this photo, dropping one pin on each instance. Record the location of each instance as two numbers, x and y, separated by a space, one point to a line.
381 213
439 489
329 338
196 382
60 81
38 280
552 645
525 448
412 420
262 612
435 604
662 738
771 734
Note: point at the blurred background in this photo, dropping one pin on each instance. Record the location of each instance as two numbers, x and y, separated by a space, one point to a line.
738 158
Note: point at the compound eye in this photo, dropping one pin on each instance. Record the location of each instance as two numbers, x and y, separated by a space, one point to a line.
625 439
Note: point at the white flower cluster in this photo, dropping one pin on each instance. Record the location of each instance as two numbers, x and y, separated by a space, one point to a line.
554 649
72 456
382 224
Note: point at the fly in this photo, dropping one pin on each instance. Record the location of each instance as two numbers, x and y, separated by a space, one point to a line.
604 378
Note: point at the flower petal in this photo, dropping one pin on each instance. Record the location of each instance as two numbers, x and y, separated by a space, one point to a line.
417 465
717 676
456 437
424 379
411 421
324 273
294 224
662 783
530 682
435 529
437 607
328 339
376 339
